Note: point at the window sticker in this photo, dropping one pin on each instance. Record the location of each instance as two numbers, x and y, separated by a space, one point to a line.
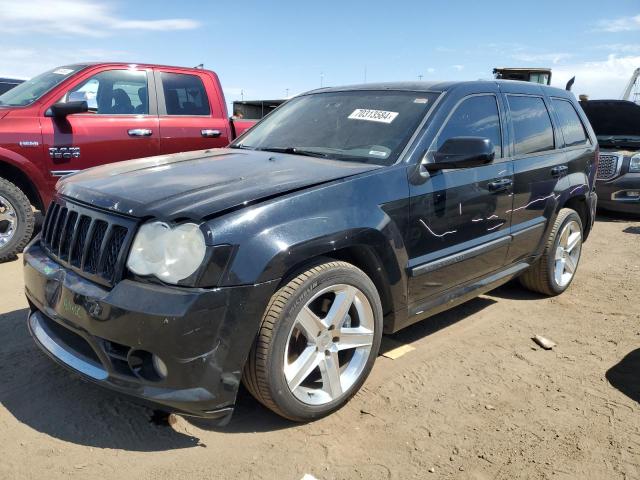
421 100
369 115
63 71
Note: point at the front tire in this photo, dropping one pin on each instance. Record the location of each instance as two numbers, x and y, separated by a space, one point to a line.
16 220
554 271
317 343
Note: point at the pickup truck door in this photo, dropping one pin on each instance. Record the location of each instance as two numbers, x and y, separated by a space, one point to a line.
192 115
460 218
121 123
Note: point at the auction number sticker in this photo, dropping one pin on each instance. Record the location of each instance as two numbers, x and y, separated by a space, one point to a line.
369 115
63 71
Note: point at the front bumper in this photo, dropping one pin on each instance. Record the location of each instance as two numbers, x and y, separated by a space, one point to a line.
612 195
203 336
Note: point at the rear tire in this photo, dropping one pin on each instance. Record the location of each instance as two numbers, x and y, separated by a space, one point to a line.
317 343
16 220
554 271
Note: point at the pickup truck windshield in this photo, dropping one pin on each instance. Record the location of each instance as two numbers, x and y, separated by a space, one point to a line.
28 92
361 126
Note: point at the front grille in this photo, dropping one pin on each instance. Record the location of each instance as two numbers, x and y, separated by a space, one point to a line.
607 167
92 243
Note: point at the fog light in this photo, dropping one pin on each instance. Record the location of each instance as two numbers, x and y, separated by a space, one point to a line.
159 366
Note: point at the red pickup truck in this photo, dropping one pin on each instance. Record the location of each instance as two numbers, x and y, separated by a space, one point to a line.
79 116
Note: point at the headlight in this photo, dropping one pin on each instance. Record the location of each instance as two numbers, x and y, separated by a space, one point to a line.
169 253
634 164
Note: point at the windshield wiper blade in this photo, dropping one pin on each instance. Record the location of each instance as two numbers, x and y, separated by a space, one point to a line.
295 151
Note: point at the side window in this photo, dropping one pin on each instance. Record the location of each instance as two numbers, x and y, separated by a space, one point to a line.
114 92
572 128
184 94
475 117
531 124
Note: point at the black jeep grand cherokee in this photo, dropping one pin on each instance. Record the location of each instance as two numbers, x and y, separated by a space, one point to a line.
281 260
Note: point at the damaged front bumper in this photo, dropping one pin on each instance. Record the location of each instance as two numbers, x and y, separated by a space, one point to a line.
180 349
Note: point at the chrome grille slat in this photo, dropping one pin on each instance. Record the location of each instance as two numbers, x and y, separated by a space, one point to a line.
90 242
607 166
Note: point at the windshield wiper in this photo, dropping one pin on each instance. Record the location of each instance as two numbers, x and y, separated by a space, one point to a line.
295 151
615 140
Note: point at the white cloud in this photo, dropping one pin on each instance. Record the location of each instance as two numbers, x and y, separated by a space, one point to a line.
621 47
431 70
19 62
76 17
598 79
459 68
554 58
621 24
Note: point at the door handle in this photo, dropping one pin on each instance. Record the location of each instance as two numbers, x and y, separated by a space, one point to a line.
500 185
140 132
559 171
210 133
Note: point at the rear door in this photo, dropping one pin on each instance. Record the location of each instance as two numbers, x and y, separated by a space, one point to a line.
121 123
540 171
460 218
190 119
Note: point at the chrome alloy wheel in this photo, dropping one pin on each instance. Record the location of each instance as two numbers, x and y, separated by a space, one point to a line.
329 344
567 253
8 221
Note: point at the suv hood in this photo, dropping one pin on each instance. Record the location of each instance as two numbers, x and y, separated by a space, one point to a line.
616 122
199 184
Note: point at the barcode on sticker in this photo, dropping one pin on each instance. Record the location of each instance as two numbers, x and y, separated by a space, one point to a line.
381 116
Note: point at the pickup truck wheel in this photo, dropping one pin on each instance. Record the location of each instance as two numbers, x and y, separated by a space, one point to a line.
553 272
16 220
317 343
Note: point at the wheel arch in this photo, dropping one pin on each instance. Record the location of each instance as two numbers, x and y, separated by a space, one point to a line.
579 204
23 175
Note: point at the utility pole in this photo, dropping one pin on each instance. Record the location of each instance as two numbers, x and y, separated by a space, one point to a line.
286 93
242 95
321 79
420 77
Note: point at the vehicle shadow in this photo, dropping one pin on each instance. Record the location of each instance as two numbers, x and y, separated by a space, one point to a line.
635 230
514 291
56 402
47 398
615 217
624 375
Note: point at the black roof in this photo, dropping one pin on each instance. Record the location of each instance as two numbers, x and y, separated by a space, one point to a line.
442 86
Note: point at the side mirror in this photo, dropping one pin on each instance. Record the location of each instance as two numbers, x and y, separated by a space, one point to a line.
61 110
462 152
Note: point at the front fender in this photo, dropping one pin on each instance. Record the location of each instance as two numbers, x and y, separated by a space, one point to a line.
32 173
272 239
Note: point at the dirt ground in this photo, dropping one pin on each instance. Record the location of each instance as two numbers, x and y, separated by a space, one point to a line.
475 399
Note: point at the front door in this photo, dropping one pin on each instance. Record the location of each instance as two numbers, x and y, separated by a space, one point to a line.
460 218
120 125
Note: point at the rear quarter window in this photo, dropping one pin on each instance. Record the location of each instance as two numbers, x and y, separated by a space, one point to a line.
532 127
572 128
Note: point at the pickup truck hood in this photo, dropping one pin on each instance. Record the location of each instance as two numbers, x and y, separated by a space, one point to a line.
199 184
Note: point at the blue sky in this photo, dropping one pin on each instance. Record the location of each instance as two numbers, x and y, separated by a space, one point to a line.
267 49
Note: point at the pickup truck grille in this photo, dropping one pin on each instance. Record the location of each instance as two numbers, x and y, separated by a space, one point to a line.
91 243
607 167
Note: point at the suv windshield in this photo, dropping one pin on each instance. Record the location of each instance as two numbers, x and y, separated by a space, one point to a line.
361 126
28 92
